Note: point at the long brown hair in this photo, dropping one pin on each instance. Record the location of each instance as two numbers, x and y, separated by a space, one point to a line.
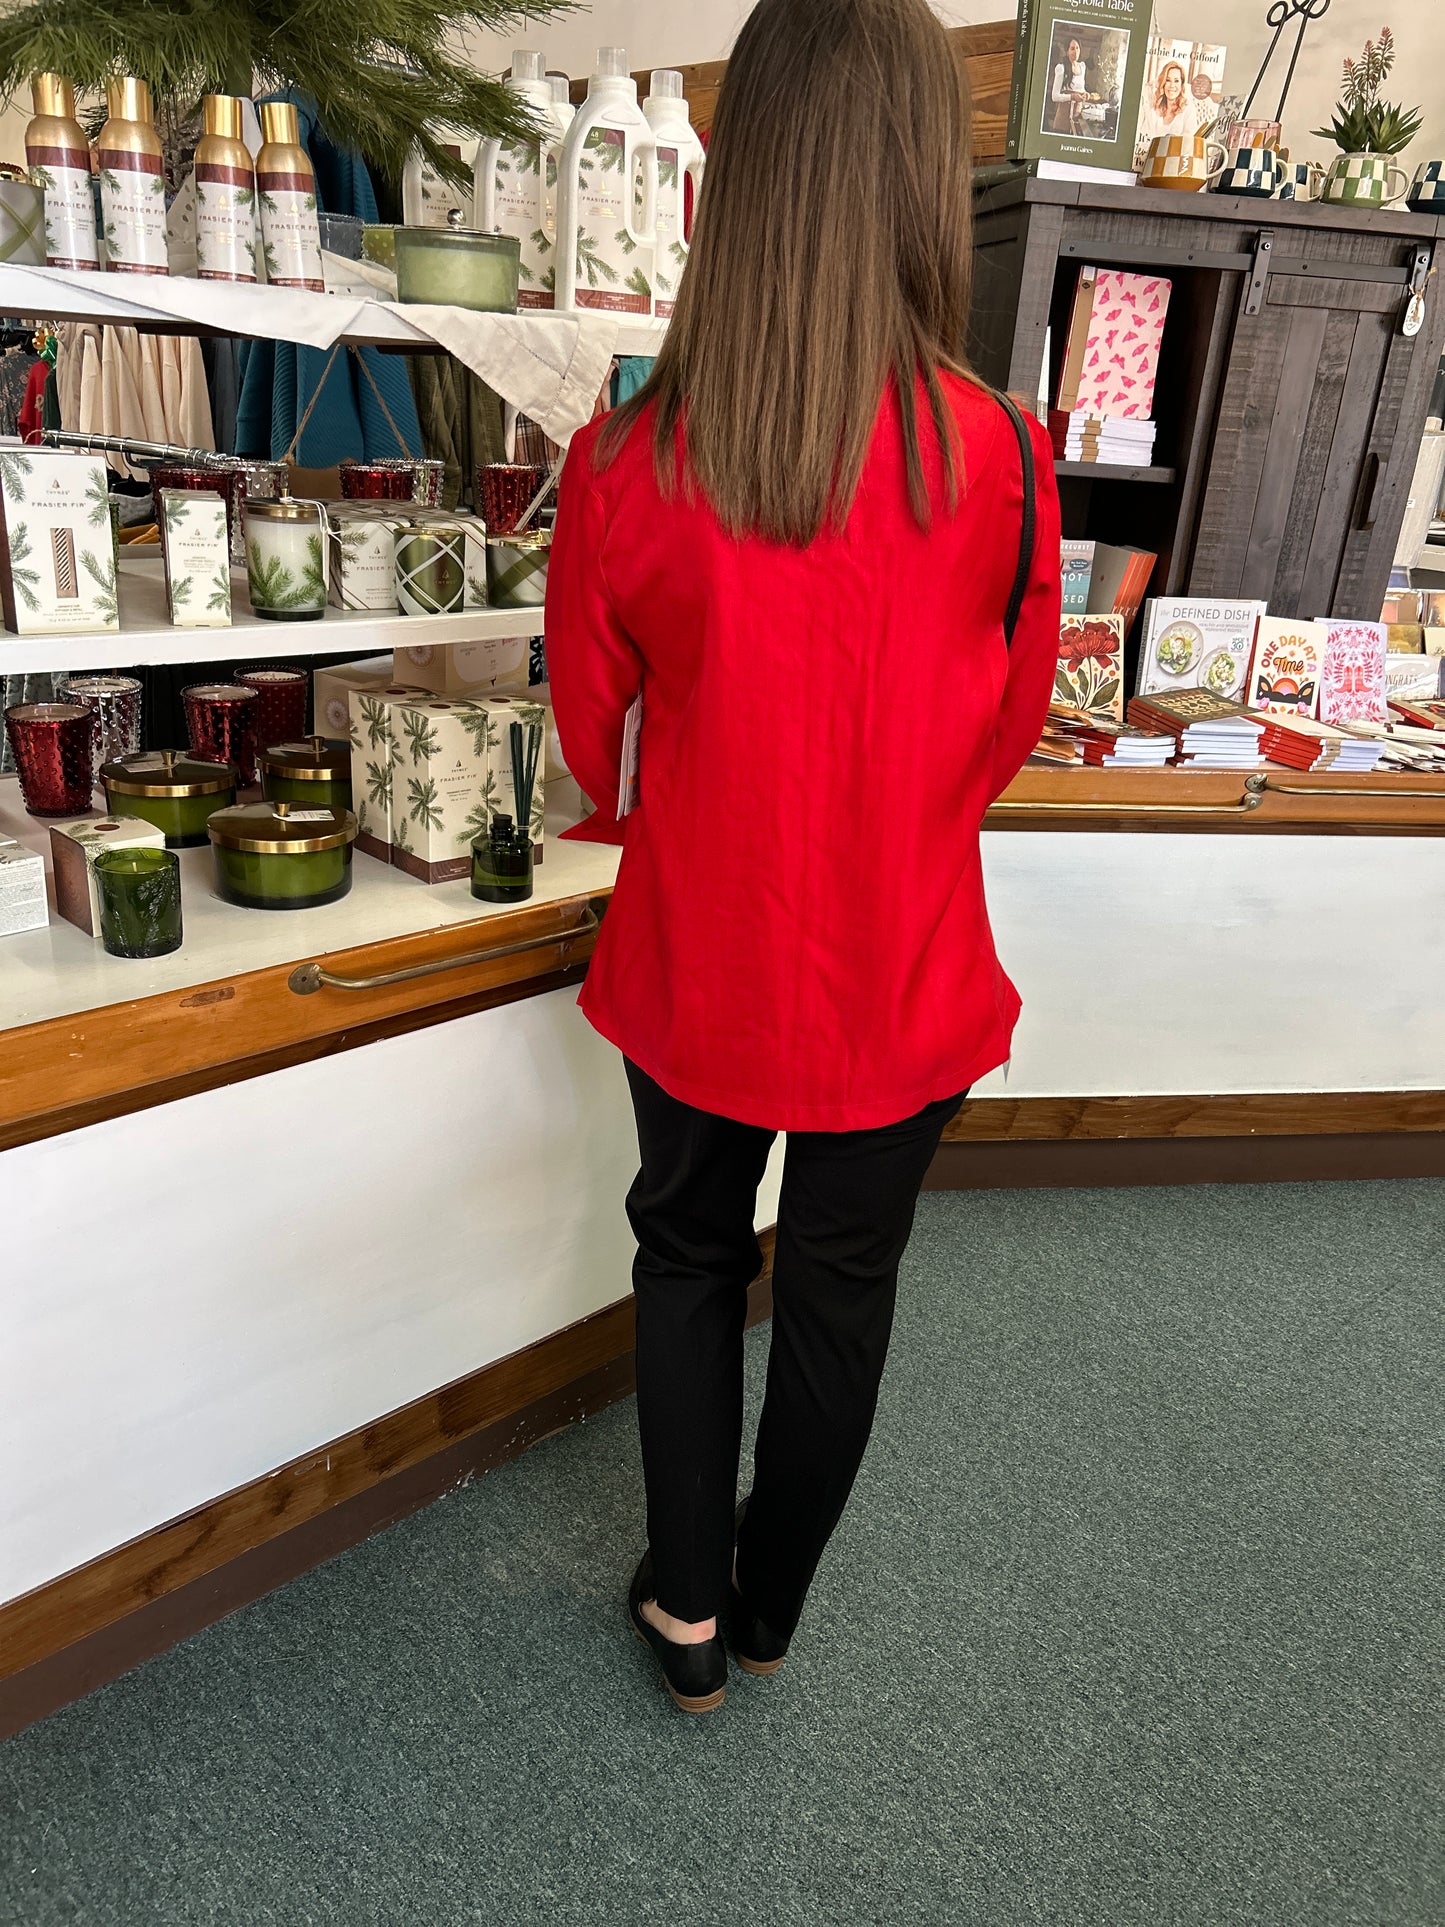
831 254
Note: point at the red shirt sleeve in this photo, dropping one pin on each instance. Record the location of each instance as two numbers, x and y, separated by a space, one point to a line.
592 663
1034 655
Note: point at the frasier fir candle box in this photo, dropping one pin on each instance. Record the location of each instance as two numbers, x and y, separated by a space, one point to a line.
75 846
57 557
363 557
374 756
331 688
470 671
454 775
197 550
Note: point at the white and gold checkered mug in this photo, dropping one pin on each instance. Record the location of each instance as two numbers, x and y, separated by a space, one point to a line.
1183 161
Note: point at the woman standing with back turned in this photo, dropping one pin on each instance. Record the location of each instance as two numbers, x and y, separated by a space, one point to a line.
799 543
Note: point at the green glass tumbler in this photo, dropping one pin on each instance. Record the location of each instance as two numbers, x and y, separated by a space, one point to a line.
140 902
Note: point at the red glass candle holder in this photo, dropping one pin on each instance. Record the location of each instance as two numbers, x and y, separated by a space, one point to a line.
376 482
221 724
226 481
54 756
505 491
427 478
280 710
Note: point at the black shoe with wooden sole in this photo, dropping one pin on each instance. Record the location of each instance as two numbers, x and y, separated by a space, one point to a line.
696 1676
756 1648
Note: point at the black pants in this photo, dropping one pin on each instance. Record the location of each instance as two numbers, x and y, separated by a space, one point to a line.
844 1216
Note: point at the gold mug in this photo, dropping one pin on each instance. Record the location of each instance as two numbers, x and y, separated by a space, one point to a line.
1183 161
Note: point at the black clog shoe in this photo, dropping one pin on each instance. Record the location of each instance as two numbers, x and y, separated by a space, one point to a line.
696 1676
756 1648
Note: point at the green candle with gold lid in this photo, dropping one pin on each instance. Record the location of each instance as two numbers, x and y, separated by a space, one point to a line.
174 791
315 772
281 855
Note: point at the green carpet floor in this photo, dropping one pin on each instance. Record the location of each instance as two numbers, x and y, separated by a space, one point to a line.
1136 1618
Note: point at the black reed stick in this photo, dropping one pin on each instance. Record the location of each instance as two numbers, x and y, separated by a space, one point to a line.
524 773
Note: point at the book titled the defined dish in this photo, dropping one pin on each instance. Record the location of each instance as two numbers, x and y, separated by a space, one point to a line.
1077 78
1198 645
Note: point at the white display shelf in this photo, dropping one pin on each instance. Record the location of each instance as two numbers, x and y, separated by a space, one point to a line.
60 972
278 314
146 636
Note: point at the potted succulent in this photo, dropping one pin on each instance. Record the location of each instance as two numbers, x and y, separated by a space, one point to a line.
1368 131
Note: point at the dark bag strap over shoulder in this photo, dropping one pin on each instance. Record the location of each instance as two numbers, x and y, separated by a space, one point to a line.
1026 535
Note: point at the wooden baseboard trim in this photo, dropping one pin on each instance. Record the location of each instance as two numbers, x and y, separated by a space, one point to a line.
1233 1114
1083 1163
89 1626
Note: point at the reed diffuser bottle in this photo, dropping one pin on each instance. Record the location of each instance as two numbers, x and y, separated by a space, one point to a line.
132 182
286 183
59 158
502 859
225 196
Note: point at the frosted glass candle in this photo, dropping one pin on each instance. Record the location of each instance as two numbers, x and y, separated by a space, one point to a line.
286 559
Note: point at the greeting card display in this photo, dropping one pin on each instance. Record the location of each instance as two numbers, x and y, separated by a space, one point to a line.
1352 676
1090 674
1285 676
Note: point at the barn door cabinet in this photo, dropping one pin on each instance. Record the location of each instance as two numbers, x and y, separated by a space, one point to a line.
1290 401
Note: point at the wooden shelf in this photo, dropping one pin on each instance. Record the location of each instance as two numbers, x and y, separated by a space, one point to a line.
146 637
1218 802
1110 472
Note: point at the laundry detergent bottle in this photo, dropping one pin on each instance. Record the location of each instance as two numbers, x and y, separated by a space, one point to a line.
515 184
607 197
680 158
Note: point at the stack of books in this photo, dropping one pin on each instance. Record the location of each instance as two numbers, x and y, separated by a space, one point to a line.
1111 439
1105 579
1211 732
1299 742
1111 745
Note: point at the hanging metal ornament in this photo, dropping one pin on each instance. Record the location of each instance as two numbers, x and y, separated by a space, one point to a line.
1279 17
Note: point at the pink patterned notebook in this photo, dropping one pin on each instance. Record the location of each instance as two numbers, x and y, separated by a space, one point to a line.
1352 676
1111 357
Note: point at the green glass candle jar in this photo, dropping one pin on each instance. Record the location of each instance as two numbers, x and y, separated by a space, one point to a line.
431 575
458 267
175 792
281 856
502 864
313 772
139 893
517 569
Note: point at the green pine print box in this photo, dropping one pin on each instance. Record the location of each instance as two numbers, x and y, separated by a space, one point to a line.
57 552
197 552
452 775
375 753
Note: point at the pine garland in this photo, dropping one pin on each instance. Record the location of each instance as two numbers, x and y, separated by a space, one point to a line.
385 74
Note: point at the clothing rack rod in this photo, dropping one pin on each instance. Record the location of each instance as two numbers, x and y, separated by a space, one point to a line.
140 453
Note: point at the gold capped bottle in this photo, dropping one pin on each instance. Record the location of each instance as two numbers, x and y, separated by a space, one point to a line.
286 185
132 182
225 196
59 157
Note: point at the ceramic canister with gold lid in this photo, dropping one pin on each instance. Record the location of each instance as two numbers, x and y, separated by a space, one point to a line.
59 159
313 773
225 196
175 792
132 182
282 856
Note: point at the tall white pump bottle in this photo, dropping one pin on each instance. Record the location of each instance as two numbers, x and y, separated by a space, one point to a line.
680 157
515 184
607 197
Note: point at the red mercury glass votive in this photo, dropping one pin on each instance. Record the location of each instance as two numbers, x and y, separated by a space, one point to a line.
427 478
221 724
54 756
376 482
280 710
505 491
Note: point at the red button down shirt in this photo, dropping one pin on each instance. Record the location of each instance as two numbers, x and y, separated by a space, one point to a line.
798 937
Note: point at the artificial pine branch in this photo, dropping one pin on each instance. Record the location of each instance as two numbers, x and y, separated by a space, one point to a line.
387 76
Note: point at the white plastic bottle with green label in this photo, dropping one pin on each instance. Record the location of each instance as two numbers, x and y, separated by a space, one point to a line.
515 184
607 197
680 158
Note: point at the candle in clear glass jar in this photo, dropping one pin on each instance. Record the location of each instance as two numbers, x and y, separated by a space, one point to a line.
286 559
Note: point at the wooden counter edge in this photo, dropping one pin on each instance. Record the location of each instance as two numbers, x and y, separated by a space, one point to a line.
129 1056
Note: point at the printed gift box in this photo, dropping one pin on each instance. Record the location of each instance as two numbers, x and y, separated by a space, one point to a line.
363 556
57 553
197 550
453 775
374 756
22 890
73 850
471 671
331 688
